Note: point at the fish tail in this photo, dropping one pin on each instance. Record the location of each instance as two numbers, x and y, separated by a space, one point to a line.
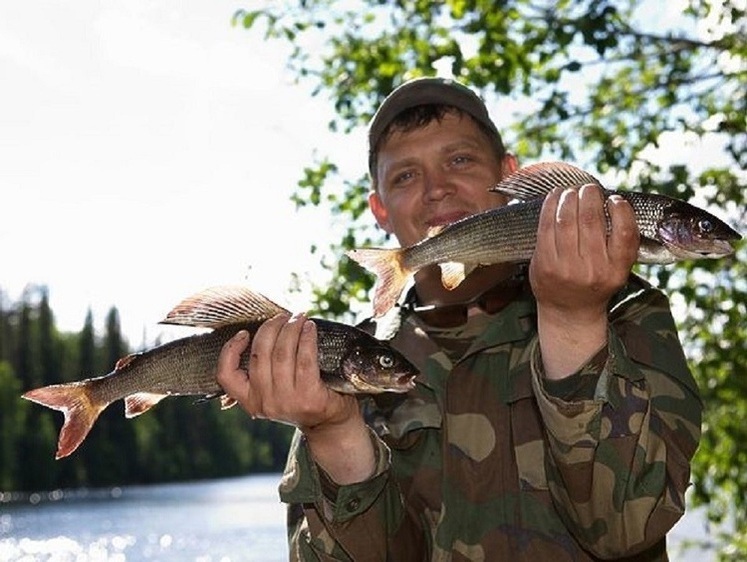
80 411
391 275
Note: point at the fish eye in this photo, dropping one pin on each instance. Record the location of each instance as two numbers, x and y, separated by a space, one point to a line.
705 225
386 361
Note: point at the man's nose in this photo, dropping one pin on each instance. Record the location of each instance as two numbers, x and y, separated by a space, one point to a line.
437 185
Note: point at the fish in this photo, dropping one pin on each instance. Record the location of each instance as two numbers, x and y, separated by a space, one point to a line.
351 361
670 230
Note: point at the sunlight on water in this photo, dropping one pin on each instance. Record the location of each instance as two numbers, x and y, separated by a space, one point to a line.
63 549
232 520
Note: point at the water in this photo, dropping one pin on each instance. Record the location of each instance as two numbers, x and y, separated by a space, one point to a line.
231 520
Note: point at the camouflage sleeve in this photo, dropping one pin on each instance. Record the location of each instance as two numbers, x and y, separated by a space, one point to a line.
330 522
622 431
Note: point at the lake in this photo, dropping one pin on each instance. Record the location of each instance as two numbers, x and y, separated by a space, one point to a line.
234 520
231 520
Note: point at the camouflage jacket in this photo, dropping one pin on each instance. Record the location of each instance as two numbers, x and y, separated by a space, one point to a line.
487 460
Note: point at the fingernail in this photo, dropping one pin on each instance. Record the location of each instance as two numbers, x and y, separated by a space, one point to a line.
240 335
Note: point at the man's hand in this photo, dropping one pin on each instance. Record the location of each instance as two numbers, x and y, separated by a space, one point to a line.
576 268
283 384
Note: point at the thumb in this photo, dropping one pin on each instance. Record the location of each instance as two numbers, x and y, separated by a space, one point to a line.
230 376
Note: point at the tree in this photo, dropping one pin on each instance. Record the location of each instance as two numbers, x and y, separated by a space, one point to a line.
38 433
116 446
12 420
595 84
49 354
87 348
6 345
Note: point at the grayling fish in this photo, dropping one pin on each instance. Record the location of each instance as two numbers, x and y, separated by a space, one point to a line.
351 362
671 230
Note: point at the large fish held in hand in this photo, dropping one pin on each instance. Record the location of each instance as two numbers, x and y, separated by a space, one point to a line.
351 361
671 230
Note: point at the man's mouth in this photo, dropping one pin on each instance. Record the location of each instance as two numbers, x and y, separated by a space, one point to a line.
438 222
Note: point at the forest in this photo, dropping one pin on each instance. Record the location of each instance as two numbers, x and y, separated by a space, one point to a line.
179 439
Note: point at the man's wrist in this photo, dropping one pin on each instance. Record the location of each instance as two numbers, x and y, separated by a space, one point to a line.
343 450
568 340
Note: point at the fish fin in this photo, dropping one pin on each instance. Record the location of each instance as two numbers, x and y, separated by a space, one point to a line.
122 362
452 274
391 276
141 402
227 402
538 180
80 412
222 306
434 230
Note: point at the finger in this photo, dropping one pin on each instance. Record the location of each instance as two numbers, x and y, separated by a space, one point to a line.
546 224
284 354
307 363
261 362
566 224
230 376
592 224
624 236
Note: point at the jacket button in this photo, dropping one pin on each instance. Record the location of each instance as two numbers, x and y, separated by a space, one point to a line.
353 504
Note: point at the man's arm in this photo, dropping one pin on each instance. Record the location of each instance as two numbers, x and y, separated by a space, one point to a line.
622 432
575 270
620 408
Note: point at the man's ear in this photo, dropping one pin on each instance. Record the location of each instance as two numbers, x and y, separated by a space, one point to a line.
379 211
509 164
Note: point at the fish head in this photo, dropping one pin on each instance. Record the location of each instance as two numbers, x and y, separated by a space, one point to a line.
374 367
690 234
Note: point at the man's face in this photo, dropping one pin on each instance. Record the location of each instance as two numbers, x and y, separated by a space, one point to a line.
435 175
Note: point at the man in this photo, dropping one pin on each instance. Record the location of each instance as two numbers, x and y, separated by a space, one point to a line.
554 417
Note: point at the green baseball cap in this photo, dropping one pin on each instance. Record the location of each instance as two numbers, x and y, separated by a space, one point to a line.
424 91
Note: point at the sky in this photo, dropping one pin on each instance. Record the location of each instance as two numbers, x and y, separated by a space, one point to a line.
148 150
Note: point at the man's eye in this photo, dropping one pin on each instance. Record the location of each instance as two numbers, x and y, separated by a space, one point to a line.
403 177
460 159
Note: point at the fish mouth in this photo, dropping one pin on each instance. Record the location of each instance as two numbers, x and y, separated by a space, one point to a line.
406 381
711 249
399 383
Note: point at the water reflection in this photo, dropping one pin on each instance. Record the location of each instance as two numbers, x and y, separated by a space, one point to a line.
221 520
232 520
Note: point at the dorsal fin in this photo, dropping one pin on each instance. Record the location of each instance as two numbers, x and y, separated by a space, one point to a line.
537 180
222 306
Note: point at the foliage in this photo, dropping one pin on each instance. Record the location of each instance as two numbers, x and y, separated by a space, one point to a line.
178 440
592 81
12 418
